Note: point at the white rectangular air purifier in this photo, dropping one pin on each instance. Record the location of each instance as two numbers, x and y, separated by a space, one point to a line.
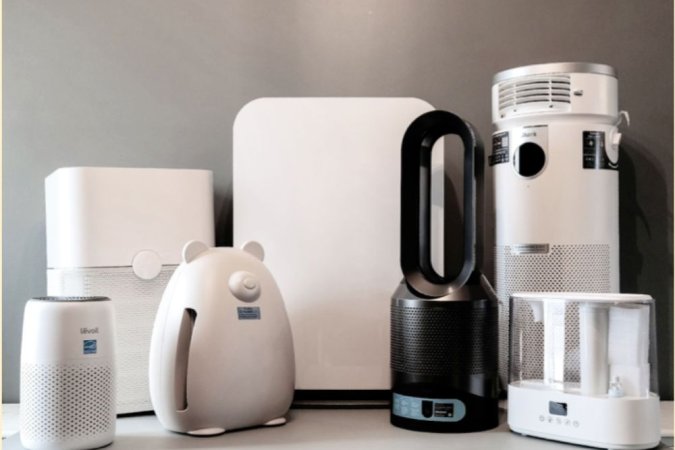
555 163
599 389
118 232
317 182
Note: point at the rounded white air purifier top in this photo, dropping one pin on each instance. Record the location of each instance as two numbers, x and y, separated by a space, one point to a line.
567 88
58 329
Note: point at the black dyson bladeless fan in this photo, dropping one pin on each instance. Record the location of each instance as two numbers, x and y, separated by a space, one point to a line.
443 327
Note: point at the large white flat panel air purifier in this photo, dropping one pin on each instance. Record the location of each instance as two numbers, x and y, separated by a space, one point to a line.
119 232
555 162
317 182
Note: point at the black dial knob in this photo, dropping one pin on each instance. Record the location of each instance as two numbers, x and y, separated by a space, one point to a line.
529 159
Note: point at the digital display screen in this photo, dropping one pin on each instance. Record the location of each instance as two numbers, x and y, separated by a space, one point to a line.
557 409
444 409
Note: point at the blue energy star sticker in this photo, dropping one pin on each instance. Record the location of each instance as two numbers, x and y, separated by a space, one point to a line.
89 346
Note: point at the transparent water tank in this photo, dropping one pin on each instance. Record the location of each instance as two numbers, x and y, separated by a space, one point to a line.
589 344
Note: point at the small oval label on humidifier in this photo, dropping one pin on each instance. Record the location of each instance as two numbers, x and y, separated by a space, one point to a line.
429 409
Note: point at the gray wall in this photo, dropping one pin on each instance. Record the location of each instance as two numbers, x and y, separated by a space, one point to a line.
158 83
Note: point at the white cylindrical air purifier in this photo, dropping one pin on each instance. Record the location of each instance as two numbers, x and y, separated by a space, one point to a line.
555 161
67 373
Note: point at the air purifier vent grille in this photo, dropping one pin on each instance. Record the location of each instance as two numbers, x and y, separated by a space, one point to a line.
64 403
442 341
534 94
136 302
566 268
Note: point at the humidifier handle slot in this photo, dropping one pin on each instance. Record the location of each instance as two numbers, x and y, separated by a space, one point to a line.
187 325
416 149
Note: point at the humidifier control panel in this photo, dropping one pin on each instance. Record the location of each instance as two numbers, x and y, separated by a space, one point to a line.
430 409
557 415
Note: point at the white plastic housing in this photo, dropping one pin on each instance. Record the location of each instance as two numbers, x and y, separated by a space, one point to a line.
119 232
556 208
221 355
106 216
67 374
564 204
318 181
583 369
631 423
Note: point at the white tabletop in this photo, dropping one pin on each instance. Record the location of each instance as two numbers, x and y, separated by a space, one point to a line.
327 429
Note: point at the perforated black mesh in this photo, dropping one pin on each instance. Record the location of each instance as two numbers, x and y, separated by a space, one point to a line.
443 341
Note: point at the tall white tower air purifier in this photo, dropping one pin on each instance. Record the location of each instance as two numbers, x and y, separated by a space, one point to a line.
555 162
119 232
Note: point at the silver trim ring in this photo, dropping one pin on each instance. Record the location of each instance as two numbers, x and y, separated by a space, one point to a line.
551 68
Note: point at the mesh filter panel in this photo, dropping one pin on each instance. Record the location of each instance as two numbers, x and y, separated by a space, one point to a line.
442 341
136 302
67 404
565 268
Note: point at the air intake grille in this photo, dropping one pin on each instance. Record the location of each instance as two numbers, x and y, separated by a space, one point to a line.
444 341
136 302
534 94
66 404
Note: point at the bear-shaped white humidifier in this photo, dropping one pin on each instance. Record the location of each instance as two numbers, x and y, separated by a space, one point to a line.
221 354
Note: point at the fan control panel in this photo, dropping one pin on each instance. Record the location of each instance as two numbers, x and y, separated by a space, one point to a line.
429 409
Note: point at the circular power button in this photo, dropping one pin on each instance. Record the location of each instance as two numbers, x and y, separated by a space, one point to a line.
529 159
244 285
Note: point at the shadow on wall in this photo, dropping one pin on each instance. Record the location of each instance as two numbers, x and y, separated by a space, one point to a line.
644 229
223 215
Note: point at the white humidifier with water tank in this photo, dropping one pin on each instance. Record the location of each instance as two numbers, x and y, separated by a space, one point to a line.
583 369
555 163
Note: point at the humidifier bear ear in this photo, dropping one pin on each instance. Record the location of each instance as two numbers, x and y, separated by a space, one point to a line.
193 249
254 248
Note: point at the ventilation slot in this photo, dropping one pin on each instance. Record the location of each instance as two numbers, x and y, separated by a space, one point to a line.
187 325
534 94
